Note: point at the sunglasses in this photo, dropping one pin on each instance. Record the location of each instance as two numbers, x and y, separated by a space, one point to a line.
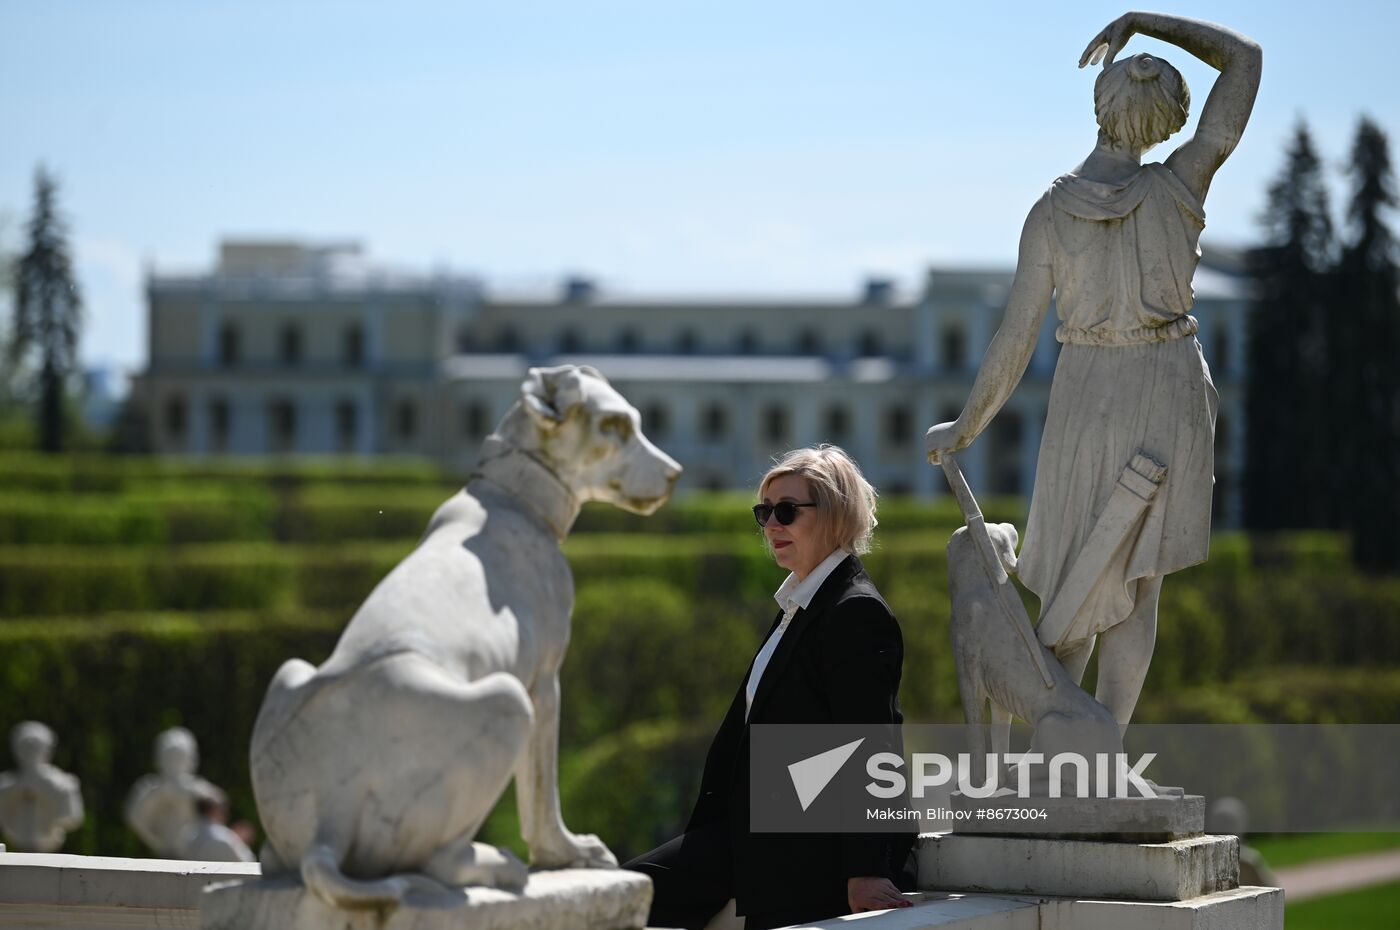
785 511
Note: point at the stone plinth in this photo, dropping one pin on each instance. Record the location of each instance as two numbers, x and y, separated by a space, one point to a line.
1135 820
1174 871
948 912
568 899
53 890
1237 909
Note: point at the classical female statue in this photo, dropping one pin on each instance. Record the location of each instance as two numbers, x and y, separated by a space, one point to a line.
1123 484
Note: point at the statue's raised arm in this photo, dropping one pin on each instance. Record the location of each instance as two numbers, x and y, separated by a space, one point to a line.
1240 63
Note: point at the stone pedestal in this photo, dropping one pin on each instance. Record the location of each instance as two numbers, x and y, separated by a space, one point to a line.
1120 820
1171 871
1237 909
976 882
568 899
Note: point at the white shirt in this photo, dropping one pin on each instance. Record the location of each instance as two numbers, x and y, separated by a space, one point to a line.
791 595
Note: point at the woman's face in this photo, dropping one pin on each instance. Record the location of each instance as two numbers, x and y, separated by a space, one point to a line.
800 546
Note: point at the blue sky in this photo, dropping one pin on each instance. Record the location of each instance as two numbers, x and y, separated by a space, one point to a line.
663 147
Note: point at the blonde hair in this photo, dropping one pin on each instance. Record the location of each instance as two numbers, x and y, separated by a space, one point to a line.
1141 101
845 500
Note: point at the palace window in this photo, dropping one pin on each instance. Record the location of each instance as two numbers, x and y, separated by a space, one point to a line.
282 425
868 345
837 424
219 424
775 424
354 345
230 345
406 420
714 422
346 425
954 349
289 344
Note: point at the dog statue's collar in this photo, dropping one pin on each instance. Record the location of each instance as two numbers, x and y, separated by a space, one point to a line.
530 481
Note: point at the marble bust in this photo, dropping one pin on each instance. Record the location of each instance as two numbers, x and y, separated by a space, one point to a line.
161 806
39 803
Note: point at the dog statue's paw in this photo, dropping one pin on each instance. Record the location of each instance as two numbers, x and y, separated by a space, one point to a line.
576 851
481 864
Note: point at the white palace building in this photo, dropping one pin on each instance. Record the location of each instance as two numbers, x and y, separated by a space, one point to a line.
290 349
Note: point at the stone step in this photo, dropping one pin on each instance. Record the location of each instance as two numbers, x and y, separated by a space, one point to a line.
567 899
1175 871
1119 820
91 892
1236 909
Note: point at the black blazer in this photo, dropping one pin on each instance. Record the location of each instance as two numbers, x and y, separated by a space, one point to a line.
839 661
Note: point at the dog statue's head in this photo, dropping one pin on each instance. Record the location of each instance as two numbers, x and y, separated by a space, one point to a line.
1004 539
587 433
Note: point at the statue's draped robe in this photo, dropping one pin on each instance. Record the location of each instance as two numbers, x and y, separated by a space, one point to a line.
1130 377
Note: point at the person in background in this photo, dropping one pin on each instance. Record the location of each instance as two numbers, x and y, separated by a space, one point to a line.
209 840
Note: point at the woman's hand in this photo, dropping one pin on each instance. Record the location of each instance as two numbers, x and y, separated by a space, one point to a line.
873 893
1110 41
945 439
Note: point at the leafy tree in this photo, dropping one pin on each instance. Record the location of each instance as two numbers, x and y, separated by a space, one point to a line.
1369 403
1284 449
48 310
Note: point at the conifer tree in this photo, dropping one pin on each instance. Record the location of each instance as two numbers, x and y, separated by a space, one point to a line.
48 311
1284 453
1368 402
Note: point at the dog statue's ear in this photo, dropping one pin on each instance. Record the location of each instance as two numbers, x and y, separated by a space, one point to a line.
548 394
545 417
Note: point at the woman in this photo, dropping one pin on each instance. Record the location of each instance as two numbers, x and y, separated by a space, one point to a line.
833 655
1115 242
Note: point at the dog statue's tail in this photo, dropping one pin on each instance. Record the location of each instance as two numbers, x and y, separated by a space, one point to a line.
320 871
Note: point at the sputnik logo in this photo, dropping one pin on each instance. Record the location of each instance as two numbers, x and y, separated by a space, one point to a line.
811 776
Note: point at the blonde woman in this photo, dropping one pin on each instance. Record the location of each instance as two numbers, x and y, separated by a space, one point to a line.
833 655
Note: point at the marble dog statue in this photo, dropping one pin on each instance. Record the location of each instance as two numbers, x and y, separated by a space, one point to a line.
374 772
995 671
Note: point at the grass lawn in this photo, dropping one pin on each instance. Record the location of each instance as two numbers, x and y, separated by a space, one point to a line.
1281 850
1368 909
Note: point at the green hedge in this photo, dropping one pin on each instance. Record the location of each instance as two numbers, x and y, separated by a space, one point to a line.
1215 619
53 580
631 743
106 474
174 515
636 787
1282 694
107 688
185 509
108 685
